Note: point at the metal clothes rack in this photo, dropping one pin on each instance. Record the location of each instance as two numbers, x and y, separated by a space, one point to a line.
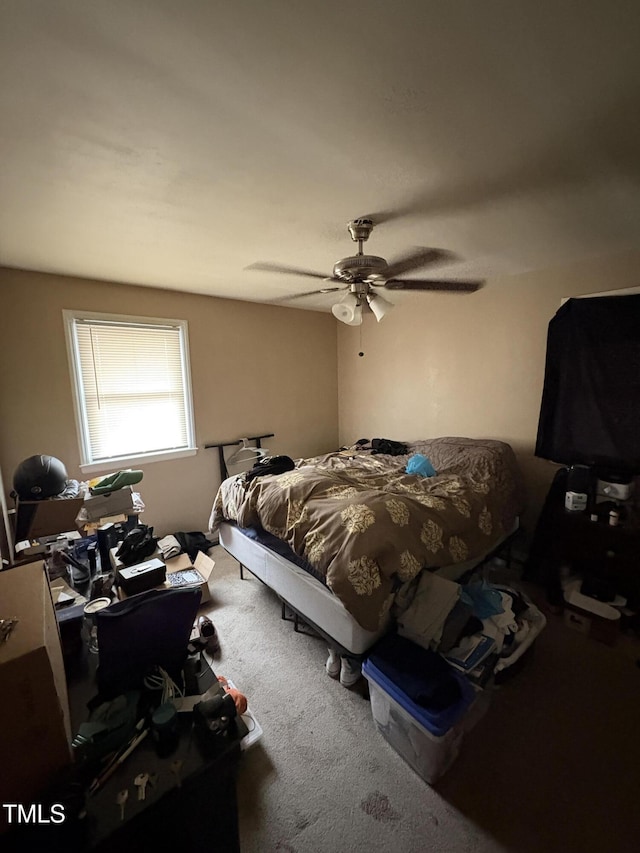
222 444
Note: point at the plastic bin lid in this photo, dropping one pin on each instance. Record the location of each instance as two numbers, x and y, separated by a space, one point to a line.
411 675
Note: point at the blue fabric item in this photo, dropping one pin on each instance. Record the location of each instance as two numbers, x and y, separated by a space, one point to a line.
484 600
420 465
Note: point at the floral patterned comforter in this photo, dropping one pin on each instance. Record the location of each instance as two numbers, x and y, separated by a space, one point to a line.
367 527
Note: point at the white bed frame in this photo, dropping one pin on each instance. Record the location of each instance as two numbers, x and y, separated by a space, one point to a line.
309 599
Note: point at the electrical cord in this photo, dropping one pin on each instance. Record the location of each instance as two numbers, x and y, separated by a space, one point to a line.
159 679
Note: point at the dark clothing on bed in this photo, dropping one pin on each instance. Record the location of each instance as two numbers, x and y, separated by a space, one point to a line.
270 465
389 447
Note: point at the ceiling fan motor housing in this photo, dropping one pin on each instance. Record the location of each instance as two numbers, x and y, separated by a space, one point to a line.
360 229
359 267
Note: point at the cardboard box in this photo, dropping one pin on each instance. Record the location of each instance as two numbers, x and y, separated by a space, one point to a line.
203 564
119 502
598 619
594 626
35 519
35 728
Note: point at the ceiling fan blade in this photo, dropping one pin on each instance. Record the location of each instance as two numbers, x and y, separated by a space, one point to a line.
450 285
307 293
277 268
416 259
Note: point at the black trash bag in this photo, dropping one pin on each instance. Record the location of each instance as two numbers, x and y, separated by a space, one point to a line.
137 546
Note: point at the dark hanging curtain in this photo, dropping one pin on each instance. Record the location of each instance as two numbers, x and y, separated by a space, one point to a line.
590 410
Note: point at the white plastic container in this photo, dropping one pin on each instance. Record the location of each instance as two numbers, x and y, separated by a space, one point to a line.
254 728
429 753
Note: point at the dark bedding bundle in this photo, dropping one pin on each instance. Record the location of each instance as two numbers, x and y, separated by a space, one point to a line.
389 447
270 465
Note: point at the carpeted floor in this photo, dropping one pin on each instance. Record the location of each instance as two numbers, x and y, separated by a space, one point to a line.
553 766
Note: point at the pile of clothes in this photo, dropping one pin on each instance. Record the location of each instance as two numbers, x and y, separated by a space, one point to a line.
479 628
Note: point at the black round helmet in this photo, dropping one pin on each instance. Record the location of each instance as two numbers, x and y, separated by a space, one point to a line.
39 477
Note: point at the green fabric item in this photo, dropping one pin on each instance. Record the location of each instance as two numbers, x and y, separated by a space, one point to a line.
116 481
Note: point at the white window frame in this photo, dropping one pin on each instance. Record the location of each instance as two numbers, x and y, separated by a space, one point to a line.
87 464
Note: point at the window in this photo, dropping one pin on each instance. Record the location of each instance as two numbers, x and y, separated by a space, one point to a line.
132 387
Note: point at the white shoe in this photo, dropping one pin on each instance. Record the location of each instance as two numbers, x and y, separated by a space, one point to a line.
350 671
333 664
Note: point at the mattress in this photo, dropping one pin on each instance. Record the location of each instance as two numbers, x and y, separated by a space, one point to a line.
365 524
310 598
299 589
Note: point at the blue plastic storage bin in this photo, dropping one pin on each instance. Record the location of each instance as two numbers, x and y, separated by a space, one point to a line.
429 740
438 722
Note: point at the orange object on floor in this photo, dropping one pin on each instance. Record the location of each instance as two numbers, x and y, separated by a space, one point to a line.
239 699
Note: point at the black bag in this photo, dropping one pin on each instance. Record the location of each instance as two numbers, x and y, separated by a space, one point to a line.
138 545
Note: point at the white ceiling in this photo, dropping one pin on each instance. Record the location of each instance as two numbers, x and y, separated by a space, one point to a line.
175 142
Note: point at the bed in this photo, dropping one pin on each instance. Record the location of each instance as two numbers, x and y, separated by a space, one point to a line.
341 536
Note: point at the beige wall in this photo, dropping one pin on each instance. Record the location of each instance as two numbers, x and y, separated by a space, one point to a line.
437 365
467 365
254 368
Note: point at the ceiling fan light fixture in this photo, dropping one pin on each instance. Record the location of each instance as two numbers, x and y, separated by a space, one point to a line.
357 316
378 305
348 310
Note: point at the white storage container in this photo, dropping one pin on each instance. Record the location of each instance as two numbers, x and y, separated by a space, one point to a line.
428 743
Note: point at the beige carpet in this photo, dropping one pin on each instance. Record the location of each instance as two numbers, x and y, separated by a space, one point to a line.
553 766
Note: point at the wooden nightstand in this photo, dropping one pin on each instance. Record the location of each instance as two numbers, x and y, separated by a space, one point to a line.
592 549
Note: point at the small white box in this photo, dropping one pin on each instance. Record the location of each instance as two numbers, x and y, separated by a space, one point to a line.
575 501
119 502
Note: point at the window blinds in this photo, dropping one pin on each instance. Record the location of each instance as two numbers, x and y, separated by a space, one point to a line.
134 396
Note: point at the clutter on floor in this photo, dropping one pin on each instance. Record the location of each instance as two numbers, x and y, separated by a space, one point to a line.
432 679
157 693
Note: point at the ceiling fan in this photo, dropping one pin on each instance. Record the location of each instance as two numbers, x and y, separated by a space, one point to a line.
361 276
